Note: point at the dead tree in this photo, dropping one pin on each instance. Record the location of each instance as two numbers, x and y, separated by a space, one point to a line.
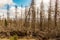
33 15
49 15
8 12
7 21
41 15
21 25
25 18
15 12
49 18
29 22
55 17
37 19
29 15
16 16
26 25
3 20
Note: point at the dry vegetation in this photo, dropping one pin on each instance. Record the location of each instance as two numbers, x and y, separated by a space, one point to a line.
38 27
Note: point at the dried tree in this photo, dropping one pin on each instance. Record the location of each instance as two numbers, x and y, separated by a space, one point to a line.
7 11
29 21
55 17
15 12
41 15
49 15
7 21
26 23
37 20
33 15
16 17
21 25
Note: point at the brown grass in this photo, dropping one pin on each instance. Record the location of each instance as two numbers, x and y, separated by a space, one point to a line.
18 39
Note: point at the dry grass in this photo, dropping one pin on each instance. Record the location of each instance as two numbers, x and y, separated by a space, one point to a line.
18 39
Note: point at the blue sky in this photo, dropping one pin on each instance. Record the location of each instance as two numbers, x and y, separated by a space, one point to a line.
22 2
19 3
3 5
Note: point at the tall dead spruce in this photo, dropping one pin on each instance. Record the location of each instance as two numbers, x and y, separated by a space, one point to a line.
49 15
41 15
33 16
56 7
16 17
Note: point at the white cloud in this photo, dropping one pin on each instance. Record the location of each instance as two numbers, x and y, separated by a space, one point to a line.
39 1
3 2
12 9
12 12
19 11
3 12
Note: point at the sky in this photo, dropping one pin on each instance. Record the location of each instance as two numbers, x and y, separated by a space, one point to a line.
19 2
12 3
22 2
15 2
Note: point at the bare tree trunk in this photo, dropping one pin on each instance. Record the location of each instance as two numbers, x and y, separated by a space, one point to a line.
16 17
49 19
41 16
26 24
7 12
37 20
49 15
7 21
56 11
20 20
33 16
56 7
29 19
32 8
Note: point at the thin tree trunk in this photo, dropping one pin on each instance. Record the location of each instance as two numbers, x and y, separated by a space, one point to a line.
56 6
41 16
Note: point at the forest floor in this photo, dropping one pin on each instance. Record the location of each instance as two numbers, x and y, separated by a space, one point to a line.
23 38
18 39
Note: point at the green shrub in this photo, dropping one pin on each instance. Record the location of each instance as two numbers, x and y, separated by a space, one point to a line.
15 37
